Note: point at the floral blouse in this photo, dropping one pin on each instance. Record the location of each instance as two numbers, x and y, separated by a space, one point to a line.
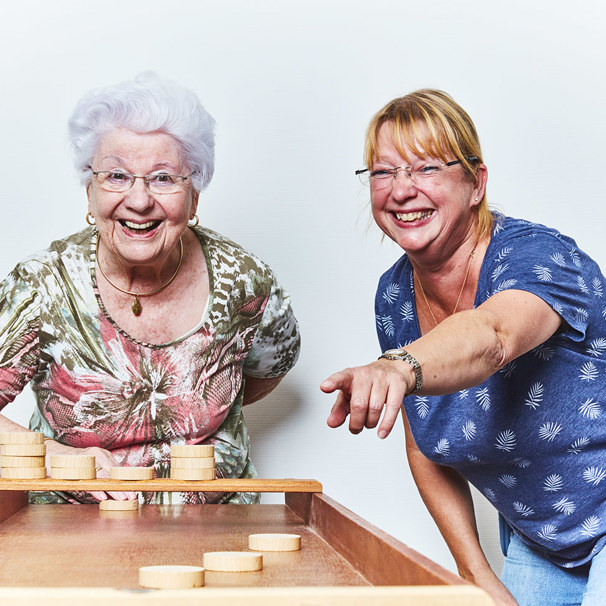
97 386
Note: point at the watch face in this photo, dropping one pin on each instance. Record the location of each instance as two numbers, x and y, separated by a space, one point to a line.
393 352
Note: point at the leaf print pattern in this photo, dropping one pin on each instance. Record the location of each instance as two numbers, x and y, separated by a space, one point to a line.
588 372
581 315
469 430
597 347
463 394
576 259
549 431
565 506
590 526
553 483
506 440
543 273
504 253
422 406
406 312
391 292
387 325
590 409
582 285
548 532
483 398
474 459
535 396
509 369
498 272
489 493
543 352
522 509
443 447
522 463
558 259
578 445
594 475
598 289
508 480
505 285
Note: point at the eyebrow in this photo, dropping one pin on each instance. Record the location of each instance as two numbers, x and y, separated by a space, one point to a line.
155 167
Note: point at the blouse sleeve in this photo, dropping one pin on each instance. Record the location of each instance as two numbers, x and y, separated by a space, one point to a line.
552 267
19 343
277 342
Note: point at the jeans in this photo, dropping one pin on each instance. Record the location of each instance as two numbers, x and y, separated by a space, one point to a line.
535 581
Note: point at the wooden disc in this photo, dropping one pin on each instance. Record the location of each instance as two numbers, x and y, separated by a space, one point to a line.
24 473
8 461
73 473
171 577
22 437
73 461
233 561
111 505
192 450
23 450
274 542
192 474
131 473
193 463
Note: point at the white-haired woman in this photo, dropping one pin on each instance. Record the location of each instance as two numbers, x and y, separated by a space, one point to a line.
144 329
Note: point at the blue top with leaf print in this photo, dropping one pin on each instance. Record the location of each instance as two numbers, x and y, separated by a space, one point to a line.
531 438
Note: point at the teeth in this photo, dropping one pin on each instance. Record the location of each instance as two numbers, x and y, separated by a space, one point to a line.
413 216
132 225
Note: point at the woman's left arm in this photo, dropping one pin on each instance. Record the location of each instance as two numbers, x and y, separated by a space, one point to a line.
462 351
256 388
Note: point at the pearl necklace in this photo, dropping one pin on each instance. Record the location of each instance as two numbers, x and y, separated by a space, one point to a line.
454 311
136 305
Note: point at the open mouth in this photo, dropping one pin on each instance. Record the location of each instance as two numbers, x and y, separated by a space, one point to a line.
417 216
140 228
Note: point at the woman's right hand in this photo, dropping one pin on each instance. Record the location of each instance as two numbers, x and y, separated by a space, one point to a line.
493 586
103 461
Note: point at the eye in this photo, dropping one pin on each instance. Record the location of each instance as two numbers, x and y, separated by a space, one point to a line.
428 170
116 176
161 179
382 173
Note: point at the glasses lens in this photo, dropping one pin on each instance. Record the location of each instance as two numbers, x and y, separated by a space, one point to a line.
164 184
114 180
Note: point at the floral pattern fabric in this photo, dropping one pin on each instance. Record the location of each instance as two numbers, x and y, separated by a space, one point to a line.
96 386
532 438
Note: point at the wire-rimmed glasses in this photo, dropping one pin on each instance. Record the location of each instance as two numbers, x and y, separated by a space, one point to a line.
381 177
121 181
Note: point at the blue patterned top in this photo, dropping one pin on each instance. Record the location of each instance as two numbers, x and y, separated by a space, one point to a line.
531 438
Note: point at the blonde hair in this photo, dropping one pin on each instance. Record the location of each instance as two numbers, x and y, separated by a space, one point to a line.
430 123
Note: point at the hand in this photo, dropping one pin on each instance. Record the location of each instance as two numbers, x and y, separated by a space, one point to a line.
492 585
365 390
103 461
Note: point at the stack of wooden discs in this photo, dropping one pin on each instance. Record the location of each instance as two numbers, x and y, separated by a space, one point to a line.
73 467
131 473
192 462
23 455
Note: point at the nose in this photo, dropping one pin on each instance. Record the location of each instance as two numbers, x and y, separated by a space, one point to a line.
138 195
403 184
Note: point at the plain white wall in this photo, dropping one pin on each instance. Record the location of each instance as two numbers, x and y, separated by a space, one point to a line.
292 86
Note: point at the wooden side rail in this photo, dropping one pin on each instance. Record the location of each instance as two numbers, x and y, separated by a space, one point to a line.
165 485
364 545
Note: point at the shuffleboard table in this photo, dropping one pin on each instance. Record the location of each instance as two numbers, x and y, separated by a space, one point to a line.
68 555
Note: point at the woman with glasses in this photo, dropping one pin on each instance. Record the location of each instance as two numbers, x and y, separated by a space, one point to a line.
494 338
145 329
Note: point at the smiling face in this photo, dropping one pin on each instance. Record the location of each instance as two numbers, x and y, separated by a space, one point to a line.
138 227
432 214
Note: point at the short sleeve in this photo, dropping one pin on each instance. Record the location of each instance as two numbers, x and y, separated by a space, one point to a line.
551 266
19 343
277 342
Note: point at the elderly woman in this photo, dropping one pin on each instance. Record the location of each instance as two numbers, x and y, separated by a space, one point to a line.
494 338
144 329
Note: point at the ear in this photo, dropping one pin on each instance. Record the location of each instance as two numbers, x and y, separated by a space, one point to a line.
480 185
194 204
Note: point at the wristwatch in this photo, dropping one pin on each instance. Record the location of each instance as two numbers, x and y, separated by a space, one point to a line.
402 354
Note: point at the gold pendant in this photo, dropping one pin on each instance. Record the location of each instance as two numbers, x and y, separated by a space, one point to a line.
136 306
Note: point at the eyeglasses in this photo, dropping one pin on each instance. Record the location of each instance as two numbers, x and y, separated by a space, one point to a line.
157 183
385 177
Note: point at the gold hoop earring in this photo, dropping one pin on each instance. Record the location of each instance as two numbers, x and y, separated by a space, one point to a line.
90 219
195 220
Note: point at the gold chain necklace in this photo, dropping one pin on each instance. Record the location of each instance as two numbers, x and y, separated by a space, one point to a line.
454 311
136 305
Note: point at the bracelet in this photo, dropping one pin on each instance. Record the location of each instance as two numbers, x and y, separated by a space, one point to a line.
402 354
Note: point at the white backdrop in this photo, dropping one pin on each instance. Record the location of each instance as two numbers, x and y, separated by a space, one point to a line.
292 86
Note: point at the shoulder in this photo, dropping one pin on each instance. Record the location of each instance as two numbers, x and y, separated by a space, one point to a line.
230 254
